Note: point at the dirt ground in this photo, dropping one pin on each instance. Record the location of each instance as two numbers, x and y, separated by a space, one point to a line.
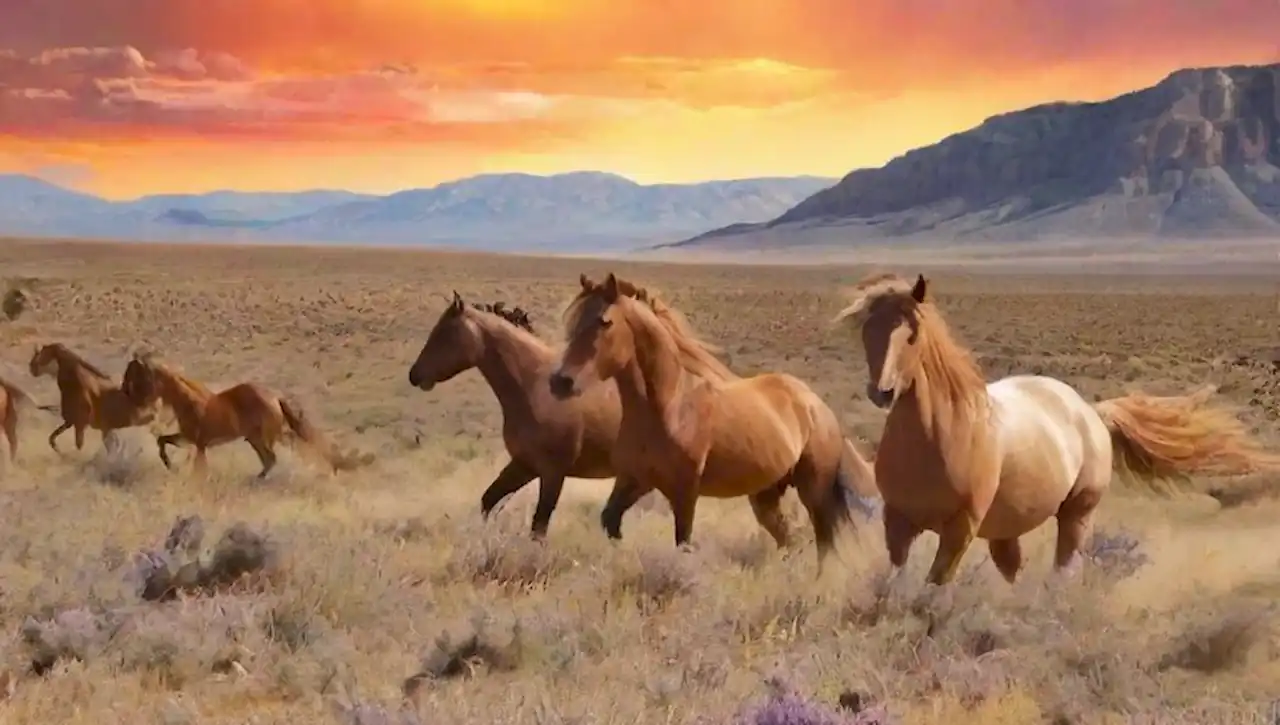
388 572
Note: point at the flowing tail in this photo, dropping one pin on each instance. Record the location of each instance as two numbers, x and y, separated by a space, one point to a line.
853 480
319 443
1159 438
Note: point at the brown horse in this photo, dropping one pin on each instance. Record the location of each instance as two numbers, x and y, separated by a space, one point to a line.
89 397
207 419
546 438
691 428
968 459
11 396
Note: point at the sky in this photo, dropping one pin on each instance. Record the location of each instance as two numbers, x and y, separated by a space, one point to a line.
129 97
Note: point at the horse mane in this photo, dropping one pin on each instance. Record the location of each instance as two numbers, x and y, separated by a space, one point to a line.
696 355
516 316
950 368
153 361
64 351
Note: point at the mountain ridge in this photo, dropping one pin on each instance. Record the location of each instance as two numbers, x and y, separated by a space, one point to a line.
575 211
1194 155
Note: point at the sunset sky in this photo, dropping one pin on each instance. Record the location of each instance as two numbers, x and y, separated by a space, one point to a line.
128 97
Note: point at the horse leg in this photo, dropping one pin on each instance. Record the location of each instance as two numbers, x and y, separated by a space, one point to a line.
110 441
626 492
766 505
163 442
266 456
899 534
79 436
1006 554
549 489
953 542
513 477
1075 526
201 462
11 432
684 504
53 437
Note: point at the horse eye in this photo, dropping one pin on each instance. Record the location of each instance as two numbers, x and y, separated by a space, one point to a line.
605 323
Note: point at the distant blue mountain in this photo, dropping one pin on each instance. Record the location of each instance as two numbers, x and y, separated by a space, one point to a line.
577 211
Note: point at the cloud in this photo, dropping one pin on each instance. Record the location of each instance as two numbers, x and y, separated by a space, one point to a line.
78 92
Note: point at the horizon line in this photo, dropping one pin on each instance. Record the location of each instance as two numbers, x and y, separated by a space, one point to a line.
67 187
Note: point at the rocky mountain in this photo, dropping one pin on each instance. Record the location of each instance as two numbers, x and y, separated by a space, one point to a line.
581 211
1196 155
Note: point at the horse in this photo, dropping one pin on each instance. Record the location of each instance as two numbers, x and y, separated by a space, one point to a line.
691 427
12 396
207 419
967 459
546 438
89 398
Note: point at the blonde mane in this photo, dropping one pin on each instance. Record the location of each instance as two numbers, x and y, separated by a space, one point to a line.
953 375
696 356
63 352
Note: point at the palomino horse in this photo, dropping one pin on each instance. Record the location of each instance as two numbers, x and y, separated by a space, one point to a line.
965 459
691 428
207 419
89 397
546 438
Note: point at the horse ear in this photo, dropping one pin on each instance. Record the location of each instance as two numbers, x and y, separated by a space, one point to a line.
458 304
611 288
920 289
585 281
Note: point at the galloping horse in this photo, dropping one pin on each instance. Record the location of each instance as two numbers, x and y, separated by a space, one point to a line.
691 427
968 459
546 438
11 396
89 397
207 419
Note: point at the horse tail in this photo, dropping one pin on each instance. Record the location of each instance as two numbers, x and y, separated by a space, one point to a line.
842 495
857 480
1160 438
317 441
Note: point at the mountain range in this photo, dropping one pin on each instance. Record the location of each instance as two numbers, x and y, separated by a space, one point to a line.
574 212
1195 156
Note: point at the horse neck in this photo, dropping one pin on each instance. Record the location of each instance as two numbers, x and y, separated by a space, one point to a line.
651 381
512 364
178 394
944 401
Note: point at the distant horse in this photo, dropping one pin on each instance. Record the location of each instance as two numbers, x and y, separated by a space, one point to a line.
89 397
547 438
11 396
207 419
691 427
968 459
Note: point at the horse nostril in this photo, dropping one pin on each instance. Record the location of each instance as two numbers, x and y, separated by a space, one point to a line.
561 384
413 377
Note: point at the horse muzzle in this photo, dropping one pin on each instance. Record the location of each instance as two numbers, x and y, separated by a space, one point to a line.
417 381
880 398
562 386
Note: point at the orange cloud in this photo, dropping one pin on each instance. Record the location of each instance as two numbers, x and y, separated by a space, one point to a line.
800 86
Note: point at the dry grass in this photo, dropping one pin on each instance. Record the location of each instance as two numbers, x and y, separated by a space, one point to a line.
388 601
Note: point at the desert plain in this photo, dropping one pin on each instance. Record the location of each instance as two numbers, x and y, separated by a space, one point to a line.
392 600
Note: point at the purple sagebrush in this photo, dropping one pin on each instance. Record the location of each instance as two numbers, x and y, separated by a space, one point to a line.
792 709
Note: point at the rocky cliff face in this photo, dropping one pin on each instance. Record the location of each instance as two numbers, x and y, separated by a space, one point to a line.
1194 155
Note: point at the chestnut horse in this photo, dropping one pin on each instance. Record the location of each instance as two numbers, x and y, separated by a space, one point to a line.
690 427
11 396
547 438
965 459
207 419
89 397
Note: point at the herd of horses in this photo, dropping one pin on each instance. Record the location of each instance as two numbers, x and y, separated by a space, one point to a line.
633 394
